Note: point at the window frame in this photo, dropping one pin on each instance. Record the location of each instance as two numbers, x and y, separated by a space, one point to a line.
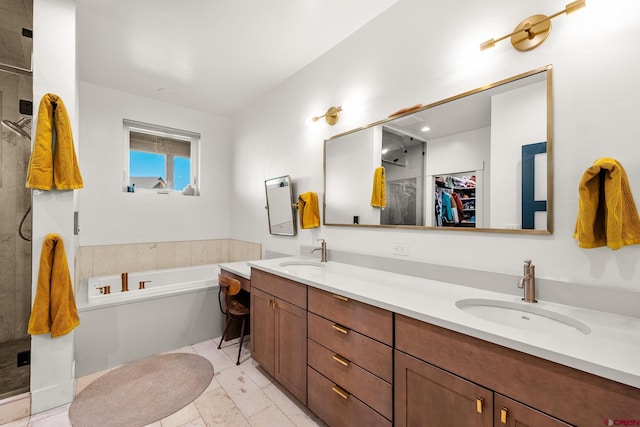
162 131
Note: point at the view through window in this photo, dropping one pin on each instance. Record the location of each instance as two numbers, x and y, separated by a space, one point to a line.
160 159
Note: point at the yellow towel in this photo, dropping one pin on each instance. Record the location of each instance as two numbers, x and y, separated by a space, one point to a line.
379 193
308 210
54 308
607 214
53 167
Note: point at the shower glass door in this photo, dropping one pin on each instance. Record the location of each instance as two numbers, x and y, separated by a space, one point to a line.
16 93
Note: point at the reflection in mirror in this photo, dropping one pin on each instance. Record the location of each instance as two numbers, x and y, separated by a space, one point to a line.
476 161
280 206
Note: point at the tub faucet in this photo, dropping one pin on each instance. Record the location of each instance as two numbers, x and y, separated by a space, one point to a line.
125 282
528 282
323 248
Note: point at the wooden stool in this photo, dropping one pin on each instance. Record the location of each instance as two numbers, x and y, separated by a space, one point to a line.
232 309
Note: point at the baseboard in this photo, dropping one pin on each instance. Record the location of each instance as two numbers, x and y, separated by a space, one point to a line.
52 397
15 408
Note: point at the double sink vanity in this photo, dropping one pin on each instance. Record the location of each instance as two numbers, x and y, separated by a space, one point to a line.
361 346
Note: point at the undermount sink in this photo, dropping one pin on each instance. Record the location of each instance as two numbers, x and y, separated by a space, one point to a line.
523 316
302 267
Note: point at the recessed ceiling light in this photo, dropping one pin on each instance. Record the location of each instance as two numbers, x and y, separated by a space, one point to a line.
425 129
385 150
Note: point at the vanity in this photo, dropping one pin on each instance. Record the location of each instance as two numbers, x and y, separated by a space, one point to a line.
361 346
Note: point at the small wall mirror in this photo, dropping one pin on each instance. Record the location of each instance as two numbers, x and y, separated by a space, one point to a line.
480 160
280 207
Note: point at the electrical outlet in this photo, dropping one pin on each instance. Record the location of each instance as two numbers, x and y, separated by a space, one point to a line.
400 249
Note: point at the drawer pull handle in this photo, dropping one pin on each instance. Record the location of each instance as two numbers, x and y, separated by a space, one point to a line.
340 328
340 392
503 415
340 297
341 360
479 405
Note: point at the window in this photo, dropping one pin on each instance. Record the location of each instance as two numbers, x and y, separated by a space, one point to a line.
160 159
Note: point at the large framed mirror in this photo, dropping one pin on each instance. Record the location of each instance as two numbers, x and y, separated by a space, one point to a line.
477 161
280 207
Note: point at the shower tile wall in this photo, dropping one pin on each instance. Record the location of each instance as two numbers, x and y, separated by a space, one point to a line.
15 253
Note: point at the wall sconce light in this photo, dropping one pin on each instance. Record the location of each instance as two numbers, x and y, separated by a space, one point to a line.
331 116
533 31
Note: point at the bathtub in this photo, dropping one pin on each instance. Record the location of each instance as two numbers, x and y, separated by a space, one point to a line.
178 307
156 283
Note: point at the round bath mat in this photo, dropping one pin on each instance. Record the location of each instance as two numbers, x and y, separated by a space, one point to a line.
142 392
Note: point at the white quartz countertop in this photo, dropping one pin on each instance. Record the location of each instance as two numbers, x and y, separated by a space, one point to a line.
240 268
610 350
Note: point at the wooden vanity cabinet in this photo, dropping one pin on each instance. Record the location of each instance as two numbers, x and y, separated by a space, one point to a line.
279 326
427 395
350 361
535 392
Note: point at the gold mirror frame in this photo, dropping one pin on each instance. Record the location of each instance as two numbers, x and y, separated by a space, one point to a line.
549 163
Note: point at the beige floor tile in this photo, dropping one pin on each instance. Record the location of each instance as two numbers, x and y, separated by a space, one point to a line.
259 376
64 409
182 417
238 396
60 419
83 382
247 396
299 414
199 422
217 409
218 358
187 349
231 350
271 417
23 422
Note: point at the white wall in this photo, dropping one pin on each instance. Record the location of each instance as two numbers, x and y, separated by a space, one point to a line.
107 214
52 376
424 51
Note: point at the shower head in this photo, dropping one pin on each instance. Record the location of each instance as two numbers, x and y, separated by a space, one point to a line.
20 128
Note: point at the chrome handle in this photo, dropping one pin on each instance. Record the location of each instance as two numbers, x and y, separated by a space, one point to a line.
340 328
340 392
341 360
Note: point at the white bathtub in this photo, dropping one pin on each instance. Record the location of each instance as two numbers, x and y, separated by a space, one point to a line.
177 308
156 283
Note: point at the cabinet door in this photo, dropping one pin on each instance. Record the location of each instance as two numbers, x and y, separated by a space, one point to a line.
262 327
509 413
291 348
428 396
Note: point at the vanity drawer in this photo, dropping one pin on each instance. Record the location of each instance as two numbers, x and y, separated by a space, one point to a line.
367 353
339 410
371 321
367 387
285 289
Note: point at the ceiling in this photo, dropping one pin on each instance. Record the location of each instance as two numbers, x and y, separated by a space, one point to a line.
215 56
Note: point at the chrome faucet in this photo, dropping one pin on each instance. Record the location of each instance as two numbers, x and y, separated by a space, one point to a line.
528 282
323 248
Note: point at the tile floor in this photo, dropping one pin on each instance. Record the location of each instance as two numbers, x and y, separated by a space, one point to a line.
242 395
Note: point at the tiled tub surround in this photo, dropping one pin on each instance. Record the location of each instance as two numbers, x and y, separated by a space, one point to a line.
609 351
94 261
